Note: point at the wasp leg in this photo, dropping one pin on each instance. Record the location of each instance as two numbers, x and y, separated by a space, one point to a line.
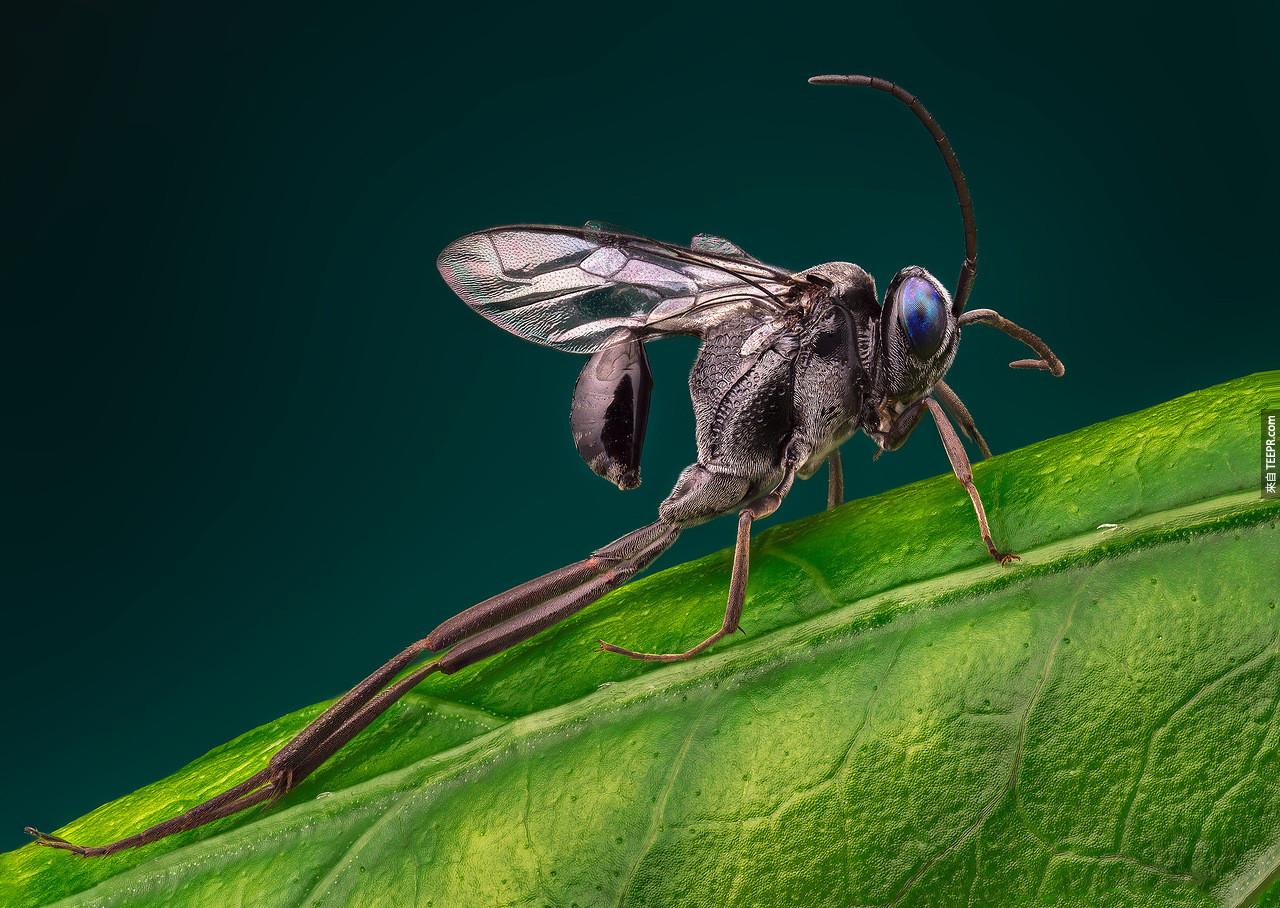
835 480
502 606
763 507
1047 361
483 630
622 561
960 413
733 607
901 429
964 472
233 800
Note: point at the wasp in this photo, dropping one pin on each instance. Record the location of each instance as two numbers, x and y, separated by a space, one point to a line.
791 364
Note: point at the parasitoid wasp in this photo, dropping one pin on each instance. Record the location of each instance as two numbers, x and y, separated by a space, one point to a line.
791 364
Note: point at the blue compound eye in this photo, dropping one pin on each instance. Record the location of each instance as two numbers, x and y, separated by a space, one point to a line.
923 313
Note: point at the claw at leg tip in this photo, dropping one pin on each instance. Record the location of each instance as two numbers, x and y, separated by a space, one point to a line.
53 841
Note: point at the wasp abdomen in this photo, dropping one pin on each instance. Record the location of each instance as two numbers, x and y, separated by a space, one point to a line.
611 410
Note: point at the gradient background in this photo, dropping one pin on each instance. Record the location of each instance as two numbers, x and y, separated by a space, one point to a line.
252 444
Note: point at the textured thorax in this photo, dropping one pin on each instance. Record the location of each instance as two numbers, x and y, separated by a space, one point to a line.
760 389
742 402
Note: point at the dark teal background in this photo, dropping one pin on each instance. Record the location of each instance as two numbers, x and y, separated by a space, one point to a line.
252 444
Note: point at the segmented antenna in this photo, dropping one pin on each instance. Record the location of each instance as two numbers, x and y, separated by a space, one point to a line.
969 270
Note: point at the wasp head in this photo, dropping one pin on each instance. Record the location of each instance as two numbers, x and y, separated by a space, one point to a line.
917 336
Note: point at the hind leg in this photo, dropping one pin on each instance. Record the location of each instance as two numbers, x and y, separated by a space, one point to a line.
481 631
699 496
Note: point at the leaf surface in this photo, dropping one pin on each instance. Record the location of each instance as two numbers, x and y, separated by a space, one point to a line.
904 722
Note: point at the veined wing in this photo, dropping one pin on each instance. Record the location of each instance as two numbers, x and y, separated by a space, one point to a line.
575 288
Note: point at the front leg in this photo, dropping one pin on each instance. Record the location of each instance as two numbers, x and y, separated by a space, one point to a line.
906 423
952 403
900 429
964 472
1045 359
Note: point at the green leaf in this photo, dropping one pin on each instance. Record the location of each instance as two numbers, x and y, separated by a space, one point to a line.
904 722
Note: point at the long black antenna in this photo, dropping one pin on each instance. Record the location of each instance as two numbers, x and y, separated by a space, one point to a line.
969 270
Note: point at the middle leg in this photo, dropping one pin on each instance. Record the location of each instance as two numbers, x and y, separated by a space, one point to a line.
835 480
761 507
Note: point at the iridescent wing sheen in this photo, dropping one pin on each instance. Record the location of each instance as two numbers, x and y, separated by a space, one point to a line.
718 245
578 288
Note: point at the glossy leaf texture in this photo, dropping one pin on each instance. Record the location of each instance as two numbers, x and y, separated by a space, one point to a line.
904 723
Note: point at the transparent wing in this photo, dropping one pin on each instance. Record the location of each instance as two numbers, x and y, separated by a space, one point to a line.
576 288
708 242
